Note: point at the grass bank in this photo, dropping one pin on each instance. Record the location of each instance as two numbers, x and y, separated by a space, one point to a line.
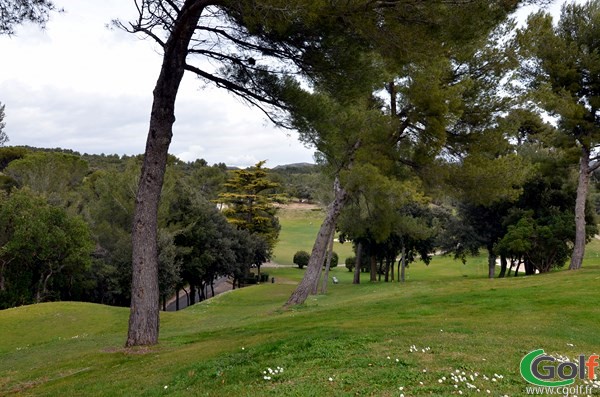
299 228
374 339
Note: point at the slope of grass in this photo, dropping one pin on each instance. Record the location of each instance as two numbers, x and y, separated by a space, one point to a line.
299 228
357 340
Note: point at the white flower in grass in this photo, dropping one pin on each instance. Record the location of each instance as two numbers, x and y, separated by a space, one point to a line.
166 387
330 379
401 388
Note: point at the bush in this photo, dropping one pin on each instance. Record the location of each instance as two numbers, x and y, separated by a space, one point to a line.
334 260
301 258
350 263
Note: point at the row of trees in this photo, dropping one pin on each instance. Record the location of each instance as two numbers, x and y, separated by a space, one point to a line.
401 99
444 108
452 127
66 228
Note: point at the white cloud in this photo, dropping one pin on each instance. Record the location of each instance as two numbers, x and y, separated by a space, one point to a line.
81 86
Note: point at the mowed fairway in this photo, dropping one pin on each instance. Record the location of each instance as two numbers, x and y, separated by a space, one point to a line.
299 227
372 339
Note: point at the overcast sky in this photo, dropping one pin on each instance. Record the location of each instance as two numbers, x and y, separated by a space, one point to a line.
80 86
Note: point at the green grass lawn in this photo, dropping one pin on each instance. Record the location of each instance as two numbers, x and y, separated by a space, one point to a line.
299 228
372 339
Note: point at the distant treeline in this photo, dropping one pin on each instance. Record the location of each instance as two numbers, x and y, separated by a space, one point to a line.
66 218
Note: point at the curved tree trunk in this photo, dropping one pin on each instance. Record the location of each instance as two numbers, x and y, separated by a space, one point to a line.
582 192
313 270
328 263
144 312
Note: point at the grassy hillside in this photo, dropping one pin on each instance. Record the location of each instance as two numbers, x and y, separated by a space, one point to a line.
374 339
299 228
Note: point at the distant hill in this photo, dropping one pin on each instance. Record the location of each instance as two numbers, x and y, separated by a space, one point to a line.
294 165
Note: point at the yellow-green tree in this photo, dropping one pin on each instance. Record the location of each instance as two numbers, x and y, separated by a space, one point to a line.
249 203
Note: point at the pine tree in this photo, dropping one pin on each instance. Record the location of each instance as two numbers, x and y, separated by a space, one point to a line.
250 204
561 66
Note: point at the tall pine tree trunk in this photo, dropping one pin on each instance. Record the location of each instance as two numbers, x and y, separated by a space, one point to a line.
144 312
357 264
582 192
313 270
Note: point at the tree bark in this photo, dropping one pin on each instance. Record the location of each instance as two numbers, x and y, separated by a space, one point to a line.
144 312
529 268
582 192
192 300
313 270
357 265
491 262
387 269
373 269
328 263
503 266
403 264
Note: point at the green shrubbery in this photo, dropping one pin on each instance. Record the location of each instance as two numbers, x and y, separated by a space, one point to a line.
350 263
301 259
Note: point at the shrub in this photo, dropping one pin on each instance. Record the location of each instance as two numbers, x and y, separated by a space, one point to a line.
301 258
334 260
350 263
